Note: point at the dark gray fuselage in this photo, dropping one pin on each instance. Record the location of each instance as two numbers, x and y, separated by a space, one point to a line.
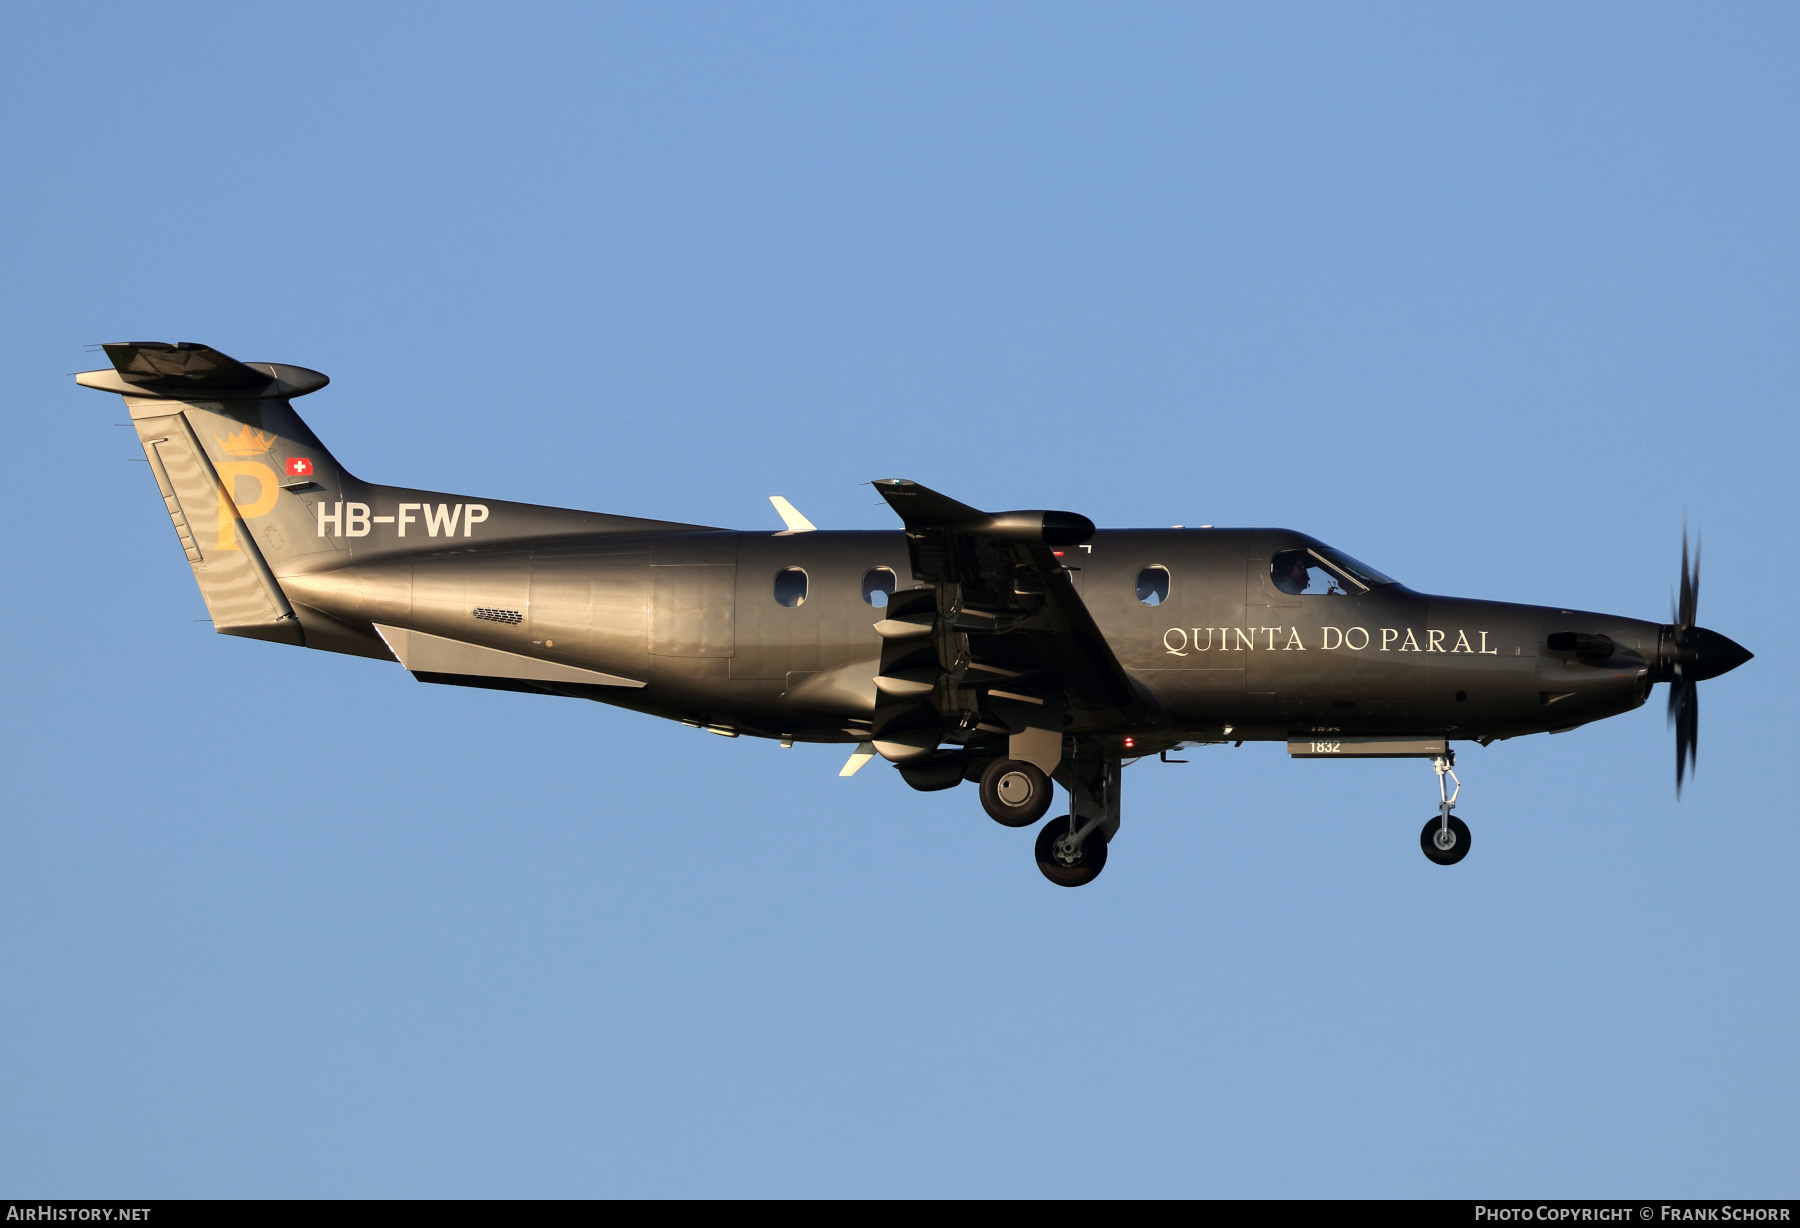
694 615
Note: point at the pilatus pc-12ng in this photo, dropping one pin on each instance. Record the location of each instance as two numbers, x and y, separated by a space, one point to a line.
1008 649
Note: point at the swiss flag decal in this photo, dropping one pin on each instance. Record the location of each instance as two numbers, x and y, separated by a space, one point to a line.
299 467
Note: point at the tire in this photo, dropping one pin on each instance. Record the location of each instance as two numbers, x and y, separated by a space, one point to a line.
1085 869
1015 793
1459 833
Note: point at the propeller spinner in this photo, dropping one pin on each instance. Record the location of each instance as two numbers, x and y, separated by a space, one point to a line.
1687 656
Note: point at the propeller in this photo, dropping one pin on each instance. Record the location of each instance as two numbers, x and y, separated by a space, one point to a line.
1688 655
1684 691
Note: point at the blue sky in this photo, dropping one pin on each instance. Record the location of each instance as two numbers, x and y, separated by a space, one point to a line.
1485 295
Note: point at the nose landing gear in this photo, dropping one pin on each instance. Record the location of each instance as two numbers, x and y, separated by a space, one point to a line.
1445 838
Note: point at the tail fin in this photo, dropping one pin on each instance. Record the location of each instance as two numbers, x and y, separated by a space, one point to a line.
225 443
257 500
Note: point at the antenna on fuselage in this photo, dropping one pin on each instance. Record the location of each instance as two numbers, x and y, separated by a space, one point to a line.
790 516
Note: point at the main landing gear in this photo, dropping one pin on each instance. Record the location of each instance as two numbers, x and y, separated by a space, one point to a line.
1015 793
1071 848
1071 853
1445 838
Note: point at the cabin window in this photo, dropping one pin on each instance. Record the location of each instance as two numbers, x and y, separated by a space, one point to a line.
1153 585
878 586
790 587
1304 573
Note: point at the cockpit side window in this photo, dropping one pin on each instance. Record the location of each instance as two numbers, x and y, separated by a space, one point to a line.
1304 573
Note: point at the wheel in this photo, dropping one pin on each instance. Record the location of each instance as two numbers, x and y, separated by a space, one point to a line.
1087 863
1015 793
1458 837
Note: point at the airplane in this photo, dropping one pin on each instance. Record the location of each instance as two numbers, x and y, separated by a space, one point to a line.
1014 650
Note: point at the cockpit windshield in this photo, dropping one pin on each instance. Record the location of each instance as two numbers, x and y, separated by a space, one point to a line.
1358 571
1322 572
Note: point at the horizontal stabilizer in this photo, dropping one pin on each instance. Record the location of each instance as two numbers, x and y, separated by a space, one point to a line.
184 370
435 654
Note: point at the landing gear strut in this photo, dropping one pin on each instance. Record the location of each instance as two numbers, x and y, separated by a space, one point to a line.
1070 853
1071 849
1445 838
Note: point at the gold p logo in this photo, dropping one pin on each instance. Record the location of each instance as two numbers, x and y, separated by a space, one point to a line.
268 490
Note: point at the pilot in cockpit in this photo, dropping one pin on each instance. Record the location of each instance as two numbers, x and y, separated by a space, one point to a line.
1289 572
1298 572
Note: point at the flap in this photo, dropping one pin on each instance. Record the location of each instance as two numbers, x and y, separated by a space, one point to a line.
1000 584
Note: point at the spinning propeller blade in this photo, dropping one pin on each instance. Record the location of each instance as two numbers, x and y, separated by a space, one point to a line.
1691 654
1684 714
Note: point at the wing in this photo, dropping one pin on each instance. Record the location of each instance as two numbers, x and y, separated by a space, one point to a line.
1000 643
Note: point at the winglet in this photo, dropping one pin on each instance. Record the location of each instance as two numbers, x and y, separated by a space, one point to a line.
796 523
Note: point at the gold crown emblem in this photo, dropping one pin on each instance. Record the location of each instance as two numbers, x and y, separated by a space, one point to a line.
245 442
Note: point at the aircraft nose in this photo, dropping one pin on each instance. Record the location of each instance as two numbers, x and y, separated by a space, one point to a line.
1711 654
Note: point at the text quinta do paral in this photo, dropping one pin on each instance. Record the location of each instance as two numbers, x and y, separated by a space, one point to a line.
1180 641
354 519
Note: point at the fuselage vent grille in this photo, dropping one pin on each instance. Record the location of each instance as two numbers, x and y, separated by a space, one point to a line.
511 618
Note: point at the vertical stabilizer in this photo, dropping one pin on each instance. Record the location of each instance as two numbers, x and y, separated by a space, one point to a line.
225 446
